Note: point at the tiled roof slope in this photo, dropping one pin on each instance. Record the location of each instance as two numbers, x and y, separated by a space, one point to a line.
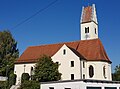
91 50
87 14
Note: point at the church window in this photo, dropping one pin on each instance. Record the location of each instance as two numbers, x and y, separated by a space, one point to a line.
83 64
83 76
104 74
72 63
95 31
31 70
64 52
91 71
72 76
86 29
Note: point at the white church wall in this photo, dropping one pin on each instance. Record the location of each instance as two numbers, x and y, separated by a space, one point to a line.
98 70
83 69
65 63
19 69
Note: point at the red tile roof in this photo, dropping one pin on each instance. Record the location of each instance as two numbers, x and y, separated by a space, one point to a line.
91 50
87 14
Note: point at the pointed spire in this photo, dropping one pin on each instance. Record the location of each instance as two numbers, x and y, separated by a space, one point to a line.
88 14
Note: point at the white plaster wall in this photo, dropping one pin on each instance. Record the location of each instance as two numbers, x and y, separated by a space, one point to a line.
65 63
19 69
98 70
63 85
102 85
78 85
91 33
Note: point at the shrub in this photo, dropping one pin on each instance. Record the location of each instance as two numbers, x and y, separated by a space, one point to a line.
30 85
3 84
12 79
25 77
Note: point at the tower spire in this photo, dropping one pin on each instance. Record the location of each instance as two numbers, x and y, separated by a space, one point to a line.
89 24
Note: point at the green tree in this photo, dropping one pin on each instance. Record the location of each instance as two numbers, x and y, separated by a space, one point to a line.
116 74
46 70
3 84
30 85
12 80
8 53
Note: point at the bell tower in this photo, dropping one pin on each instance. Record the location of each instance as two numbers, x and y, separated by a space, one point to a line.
89 24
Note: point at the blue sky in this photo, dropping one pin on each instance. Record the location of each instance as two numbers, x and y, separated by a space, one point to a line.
60 22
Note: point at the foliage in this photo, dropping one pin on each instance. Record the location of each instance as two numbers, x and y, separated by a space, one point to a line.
12 79
8 53
30 85
25 77
116 74
46 70
3 84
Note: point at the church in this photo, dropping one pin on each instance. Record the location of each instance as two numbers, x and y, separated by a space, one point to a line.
84 60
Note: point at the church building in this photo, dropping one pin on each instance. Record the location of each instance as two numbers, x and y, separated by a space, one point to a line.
82 59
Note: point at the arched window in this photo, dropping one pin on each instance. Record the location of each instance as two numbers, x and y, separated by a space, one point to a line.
31 70
64 52
91 71
104 69
95 31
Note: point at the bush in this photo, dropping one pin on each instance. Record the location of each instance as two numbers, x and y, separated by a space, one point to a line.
30 85
3 84
25 77
12 79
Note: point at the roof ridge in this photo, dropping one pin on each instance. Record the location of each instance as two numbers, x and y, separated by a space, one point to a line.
55 43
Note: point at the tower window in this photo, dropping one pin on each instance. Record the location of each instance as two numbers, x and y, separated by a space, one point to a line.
64 52
72 76
91 71
86 29
95 31
104 74
72 63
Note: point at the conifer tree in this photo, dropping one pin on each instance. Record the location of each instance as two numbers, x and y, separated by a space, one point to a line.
47 70
116 74
8 53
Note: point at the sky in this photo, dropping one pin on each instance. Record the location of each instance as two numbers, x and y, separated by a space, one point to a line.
60 22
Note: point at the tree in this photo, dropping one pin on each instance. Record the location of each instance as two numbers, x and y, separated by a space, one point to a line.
116 74
8 53
12 80
3 84
46 70
30 85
